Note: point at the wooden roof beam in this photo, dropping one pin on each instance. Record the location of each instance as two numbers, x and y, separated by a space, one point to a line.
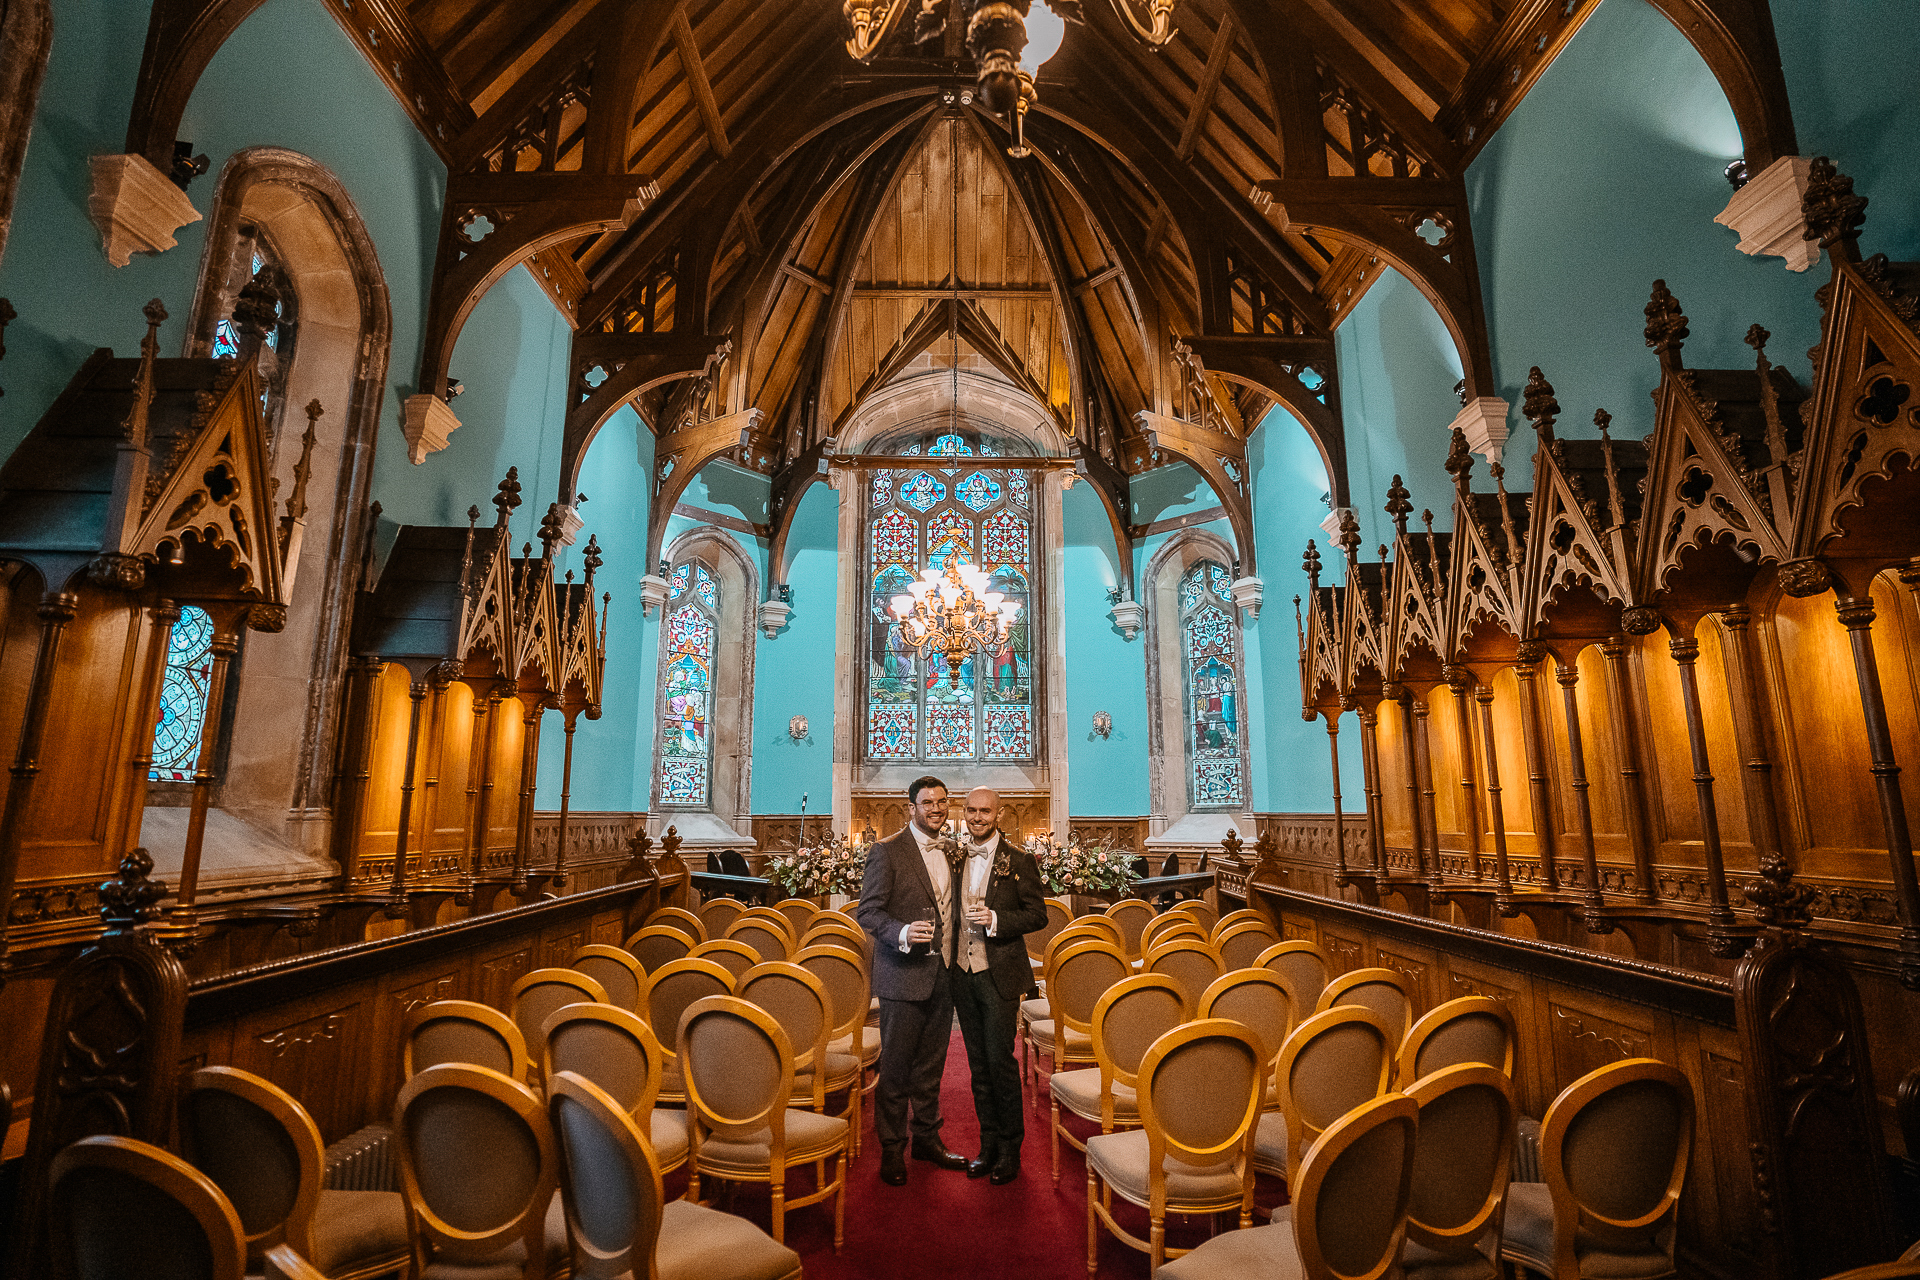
1356 69
1209 87
698 85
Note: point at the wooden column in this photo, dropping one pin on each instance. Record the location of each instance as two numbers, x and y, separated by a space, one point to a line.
1857 615
356 763
1686 655
397 891
1616 650
1749 731
153 674
523 827
1460 681
226 643
1370 765
1503 883
56 610
1539 783
1423 765
1405 699
1567 675
486 711
438 683
566 796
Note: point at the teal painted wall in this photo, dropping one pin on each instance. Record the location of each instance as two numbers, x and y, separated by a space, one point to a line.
1169 491
1397 368
1104 671
794 671
1606 177
612 756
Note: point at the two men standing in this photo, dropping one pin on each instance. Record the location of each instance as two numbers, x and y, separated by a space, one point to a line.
948 920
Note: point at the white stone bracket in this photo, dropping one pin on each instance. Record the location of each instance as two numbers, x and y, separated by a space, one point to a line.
653 593
1129 616
427 422
773 616
1246 593
1766 213
1484 420
136 207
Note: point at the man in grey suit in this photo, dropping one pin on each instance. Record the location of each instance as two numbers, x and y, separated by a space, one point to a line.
907 903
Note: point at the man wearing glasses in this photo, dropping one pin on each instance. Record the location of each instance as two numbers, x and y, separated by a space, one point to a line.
907 904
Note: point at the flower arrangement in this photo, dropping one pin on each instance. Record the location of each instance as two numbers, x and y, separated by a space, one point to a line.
1074 867
836 866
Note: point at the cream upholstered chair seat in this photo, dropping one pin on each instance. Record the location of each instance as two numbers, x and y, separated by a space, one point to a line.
352 1225
810 1136
667 1131
1528 1240
842 1070
511 1262
1270 1142
1080 1092
1121 1159
1079 1044
1417 1262
1267 1252
1035 1009
843 1047
698 1243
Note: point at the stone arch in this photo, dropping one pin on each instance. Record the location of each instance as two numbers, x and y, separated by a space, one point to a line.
345 332
26 38
1167 789
730 716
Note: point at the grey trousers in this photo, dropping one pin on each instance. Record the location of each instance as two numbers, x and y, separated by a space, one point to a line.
913 1056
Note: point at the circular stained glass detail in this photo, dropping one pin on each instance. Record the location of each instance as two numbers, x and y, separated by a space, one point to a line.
922 491
978 491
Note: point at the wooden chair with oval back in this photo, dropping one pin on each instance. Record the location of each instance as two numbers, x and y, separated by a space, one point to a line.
535 996
1381 990
1303 965
1467 1030
1037 1009
1232 918
1241 945
739 1072
615 969
1132 915
1460 1170
670 989
687 922
1080 974
846 983
618 1217
462 1031
1614 1148
804 1009
623 1057
1348 1218
1258 1000
770 934
477 1168
1199 1095
1059 916
116 1205
1333 1062
837 932
1129 1017
1202 910
731 954
1168 927
800 913
659 944
717 913
263 1151
1188 959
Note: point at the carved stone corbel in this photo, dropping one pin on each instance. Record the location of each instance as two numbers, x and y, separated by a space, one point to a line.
135 207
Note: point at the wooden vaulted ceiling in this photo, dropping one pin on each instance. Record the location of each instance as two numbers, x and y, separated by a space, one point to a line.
742 222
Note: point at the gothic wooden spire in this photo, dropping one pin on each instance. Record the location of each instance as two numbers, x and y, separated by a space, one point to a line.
1399 505
1310 563
1539 406
1666 326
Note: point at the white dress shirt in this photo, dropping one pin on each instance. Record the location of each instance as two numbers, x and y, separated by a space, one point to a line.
979 870
938 873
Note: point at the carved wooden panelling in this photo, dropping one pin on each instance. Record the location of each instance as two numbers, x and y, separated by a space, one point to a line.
1581 1041
1726 1200
1343 954
499 973
1298 929
560 950
315 1054
1415 975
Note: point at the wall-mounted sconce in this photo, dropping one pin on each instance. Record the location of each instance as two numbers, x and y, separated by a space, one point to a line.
1102 726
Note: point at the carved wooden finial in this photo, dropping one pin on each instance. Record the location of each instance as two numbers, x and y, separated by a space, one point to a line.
1779 903
1769 394
1666 326
592 559
131 898
303 470
1310 563
1433 547
135 427
1349 538
1615 499
1399 505
1539 407
1460 461
1832 212
1516 550
552 526
1299 627
507 497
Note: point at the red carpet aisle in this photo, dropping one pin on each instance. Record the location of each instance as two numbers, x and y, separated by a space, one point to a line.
942 1226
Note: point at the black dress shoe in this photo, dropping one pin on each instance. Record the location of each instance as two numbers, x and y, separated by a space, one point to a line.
893 1167
1005 1170
982 1164
935 1152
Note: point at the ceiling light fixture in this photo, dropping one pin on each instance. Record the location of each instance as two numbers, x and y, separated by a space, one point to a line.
1009 40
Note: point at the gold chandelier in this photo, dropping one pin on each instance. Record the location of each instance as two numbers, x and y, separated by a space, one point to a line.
950 612
1008 39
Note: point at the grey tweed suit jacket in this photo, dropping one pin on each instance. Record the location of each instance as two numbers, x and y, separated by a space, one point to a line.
896 892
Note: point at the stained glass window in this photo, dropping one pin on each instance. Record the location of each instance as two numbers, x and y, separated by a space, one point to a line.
183 698
915 711
1210 638
686 728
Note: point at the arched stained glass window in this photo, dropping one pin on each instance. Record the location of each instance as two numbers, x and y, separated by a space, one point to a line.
686 747
923 517
183 698
1210 641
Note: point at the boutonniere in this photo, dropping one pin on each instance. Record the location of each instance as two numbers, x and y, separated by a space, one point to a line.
1002 861
949 848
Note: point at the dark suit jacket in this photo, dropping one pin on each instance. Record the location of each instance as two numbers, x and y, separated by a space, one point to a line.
1019 902
895 893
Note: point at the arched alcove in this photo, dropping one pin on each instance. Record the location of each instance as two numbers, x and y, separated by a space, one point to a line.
288 687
